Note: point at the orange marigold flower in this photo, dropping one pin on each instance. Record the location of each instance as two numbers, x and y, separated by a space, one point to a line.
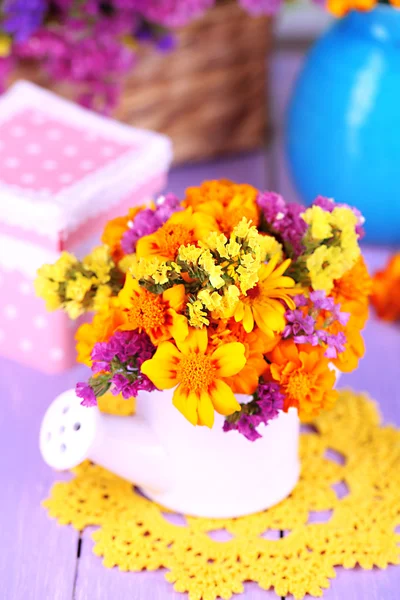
304 376
199 377
227 202
265 304
155 314
101 328
347 361
386 290
222 191
339 8
256 344
182 228
115 229
227 217
352 292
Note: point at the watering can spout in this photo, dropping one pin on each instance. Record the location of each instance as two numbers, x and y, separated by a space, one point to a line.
71 433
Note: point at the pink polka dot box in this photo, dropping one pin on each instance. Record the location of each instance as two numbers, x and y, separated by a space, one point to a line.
64 172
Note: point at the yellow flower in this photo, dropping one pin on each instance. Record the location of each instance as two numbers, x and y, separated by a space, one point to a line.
99 261
151 268
190 254
127 263
77 288
49 278
319 221
5 45
214 272
265 302
340 250
197 376
48 291
270 246
327 264
256 345
156 314
74 309
197 314
221 306
103 293
104 324
182 228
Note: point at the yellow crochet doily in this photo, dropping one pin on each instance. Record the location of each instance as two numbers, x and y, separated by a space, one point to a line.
350 468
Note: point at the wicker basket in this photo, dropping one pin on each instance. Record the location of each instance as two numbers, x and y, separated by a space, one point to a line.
209 94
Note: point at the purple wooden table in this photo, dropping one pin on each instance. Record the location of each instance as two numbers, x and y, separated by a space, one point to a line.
40 560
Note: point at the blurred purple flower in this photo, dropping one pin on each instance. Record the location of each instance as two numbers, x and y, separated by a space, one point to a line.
268 401
261 7
147 221
172 13
84 391
21 18
284 219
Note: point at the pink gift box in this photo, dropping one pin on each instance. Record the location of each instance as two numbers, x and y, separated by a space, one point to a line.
64 172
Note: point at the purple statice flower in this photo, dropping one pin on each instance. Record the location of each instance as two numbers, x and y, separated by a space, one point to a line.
298 323
302 326
172 13
120 359
267 402
321 301
270 400
88 54
130 389
85 391
300 300
284 219
23 17
246 425
335 343
123 346
147 221
328 204
261 7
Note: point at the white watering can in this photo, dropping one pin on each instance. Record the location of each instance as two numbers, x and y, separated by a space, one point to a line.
191 470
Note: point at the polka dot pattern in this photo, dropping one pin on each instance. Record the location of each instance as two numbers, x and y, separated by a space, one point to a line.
38 152
29 334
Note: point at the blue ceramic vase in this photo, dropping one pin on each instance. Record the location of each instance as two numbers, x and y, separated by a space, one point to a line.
343 128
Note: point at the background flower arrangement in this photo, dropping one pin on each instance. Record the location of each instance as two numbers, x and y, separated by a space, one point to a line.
229 291
385 296
94 42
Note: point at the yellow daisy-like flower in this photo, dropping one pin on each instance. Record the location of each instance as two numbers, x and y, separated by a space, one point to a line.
156 314
264 304
182 228
197 376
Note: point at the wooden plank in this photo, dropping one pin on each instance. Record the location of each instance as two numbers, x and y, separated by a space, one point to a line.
38 558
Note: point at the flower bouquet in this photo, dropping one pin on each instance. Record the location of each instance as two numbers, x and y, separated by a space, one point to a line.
240 303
